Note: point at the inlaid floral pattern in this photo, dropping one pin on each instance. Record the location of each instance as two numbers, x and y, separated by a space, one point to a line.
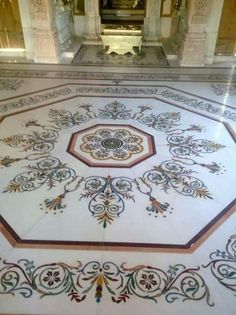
117 144
10 84
221 89
108 195
223 264
120 282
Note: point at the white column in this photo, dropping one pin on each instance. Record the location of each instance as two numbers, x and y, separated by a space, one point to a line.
27 27
92 20
62 22
194 41
152 28
46 46
178 26
213 21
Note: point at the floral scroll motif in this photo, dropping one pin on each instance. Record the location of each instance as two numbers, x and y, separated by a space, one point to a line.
120 282
48 171
187 146
115 110
10 84
223 265
65 119
221 89
172 175
162 122
107 197
37 142
117 144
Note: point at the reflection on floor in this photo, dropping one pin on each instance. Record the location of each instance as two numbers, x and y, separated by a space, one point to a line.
117 190
95 55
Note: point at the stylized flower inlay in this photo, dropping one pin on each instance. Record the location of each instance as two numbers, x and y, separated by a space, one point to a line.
148 281
52 277
106 144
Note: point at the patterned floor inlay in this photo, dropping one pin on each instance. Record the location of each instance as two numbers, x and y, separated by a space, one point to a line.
117 193
99 158
117 146
120 282
95 55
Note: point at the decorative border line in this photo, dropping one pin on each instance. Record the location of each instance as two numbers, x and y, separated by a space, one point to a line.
15 240
120 282
87 75
227 125
120 91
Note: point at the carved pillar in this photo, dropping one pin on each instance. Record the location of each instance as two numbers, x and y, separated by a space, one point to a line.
194 41
62 21
178 26
213 21
26 21
46 47
92 21
152 29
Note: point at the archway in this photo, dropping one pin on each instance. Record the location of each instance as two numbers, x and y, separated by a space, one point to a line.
151 20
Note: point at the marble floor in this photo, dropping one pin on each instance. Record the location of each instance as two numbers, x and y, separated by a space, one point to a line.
147 57
117 190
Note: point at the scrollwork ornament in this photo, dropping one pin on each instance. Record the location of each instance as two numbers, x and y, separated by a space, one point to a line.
223 265
120 282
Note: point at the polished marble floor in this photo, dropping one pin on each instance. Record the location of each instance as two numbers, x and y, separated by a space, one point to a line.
147 57
117 190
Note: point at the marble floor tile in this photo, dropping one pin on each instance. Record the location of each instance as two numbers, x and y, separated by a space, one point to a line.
94 55
117 190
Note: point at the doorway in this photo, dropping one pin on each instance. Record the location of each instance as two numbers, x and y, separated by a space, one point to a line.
11 34
226 41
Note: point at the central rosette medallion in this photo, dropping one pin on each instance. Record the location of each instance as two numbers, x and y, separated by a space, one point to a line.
118 144
111 145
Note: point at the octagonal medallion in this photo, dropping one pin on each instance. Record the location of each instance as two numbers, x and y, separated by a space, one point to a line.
69 198
106 145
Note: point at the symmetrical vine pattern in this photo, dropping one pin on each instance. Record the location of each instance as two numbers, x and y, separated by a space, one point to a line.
107 197
48 171
120 282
